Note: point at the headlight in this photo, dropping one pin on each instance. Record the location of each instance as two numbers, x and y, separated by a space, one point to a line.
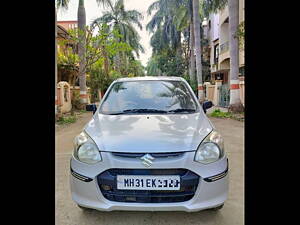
211 149
85 149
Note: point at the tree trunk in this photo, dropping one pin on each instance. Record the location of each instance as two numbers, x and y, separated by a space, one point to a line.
196 20
126 60
55 61
117 59
192 56
106 62
81 51
123 60
233 11
179 51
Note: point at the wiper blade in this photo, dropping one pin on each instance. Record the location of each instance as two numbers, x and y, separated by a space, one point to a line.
144 111
181 110
116 113
152 111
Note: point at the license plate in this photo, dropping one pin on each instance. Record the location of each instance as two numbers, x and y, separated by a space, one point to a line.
146 182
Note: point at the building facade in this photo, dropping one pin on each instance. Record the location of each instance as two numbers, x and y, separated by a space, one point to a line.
217 32
67 82
69 24
64 45
63 28
218 36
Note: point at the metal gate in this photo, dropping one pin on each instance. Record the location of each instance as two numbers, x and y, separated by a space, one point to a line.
224 94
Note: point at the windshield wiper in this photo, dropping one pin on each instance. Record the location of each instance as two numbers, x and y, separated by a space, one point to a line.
143 111
116 113
181 110
127 111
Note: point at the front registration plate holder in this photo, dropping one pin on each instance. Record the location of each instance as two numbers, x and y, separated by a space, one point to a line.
148 182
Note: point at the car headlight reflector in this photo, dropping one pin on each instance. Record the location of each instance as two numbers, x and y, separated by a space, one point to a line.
211 149
85 149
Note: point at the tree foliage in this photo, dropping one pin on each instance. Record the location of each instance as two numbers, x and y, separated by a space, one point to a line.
167 63
209 6
170 28
241 34
112 46
98 46
121 20
62 4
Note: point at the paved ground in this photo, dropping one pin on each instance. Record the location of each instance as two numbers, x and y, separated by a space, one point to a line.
67 213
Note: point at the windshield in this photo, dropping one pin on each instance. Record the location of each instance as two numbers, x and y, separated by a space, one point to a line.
149 97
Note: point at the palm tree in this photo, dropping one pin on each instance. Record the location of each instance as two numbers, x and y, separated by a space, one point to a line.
196 20
121 20
233 11
59 4
163 24
209 6
184 20
195 15
192 56
152 67
105 3
81 17
167 32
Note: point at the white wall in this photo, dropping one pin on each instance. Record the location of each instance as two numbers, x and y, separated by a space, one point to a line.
224 33
215 26
214 35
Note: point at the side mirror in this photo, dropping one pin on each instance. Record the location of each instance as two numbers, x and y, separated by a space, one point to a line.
91 108
206 105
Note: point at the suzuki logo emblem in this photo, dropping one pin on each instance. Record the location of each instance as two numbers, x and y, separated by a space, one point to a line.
147 160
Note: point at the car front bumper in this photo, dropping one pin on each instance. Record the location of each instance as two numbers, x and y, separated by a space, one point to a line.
210 193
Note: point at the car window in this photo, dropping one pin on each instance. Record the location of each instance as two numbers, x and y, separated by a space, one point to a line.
148 96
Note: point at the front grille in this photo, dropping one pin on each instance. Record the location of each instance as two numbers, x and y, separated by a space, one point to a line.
155 155
107 182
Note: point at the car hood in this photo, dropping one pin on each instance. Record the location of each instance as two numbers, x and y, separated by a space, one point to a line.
148 133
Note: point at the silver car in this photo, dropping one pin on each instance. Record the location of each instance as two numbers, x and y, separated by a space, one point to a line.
149 146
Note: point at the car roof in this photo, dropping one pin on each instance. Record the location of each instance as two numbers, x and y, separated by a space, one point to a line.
151 78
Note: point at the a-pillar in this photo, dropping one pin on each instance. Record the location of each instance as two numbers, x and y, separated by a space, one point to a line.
217 92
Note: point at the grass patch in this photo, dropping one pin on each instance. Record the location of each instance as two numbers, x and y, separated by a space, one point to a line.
70 117
66 120
218 113
81 111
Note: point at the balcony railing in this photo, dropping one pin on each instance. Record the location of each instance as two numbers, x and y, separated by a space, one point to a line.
224 47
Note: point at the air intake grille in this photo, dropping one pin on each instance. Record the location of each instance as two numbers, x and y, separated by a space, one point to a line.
155 155
107 182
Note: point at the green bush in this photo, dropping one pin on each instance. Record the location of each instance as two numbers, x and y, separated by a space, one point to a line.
218 113
67 120
75 101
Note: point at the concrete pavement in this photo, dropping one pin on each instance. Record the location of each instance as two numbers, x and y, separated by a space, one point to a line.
67 213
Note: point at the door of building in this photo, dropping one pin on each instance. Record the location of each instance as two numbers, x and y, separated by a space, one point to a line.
224 95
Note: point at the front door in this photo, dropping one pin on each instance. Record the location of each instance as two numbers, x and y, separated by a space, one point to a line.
224 95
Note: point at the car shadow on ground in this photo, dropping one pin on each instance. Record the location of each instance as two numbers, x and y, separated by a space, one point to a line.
161 218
